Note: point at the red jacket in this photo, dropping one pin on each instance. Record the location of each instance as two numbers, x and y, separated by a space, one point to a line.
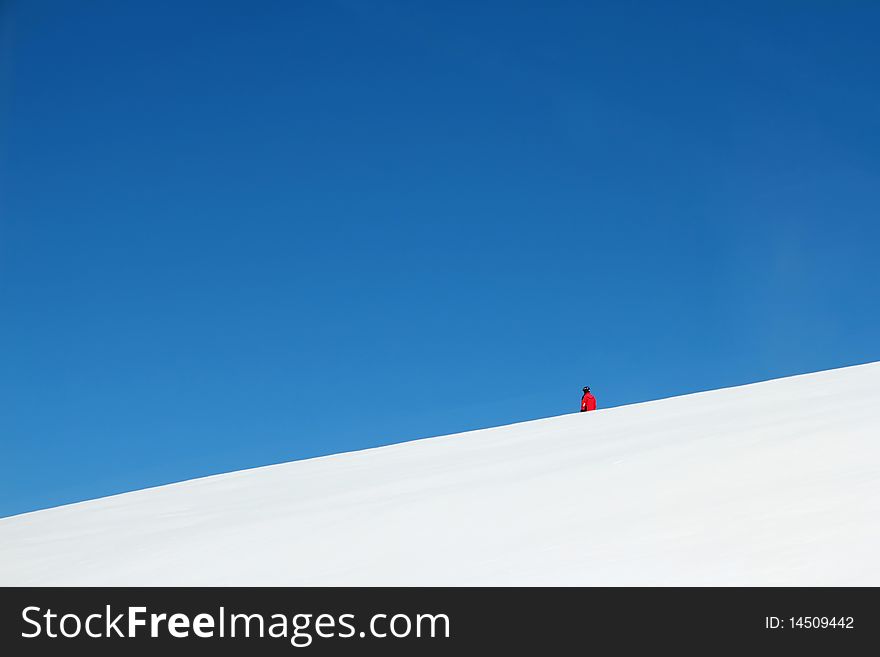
588 402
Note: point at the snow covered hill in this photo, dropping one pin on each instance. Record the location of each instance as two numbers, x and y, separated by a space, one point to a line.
775 483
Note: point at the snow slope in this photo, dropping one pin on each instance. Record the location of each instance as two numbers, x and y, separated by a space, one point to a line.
775 483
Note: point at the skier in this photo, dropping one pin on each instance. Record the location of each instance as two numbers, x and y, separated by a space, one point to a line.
588 402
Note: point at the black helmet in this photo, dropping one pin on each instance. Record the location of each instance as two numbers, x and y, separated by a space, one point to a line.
586 388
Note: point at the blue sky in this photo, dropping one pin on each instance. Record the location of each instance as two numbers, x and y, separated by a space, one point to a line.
238 233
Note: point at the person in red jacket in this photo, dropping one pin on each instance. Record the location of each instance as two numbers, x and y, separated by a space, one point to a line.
588 402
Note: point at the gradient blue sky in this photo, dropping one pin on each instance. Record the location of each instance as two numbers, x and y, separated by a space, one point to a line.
238 233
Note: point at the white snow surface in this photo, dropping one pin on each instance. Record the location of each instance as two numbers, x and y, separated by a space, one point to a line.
773 483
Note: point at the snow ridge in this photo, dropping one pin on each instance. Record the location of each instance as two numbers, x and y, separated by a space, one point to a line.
774 483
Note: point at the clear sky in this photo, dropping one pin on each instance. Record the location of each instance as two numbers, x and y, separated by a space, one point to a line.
238 233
